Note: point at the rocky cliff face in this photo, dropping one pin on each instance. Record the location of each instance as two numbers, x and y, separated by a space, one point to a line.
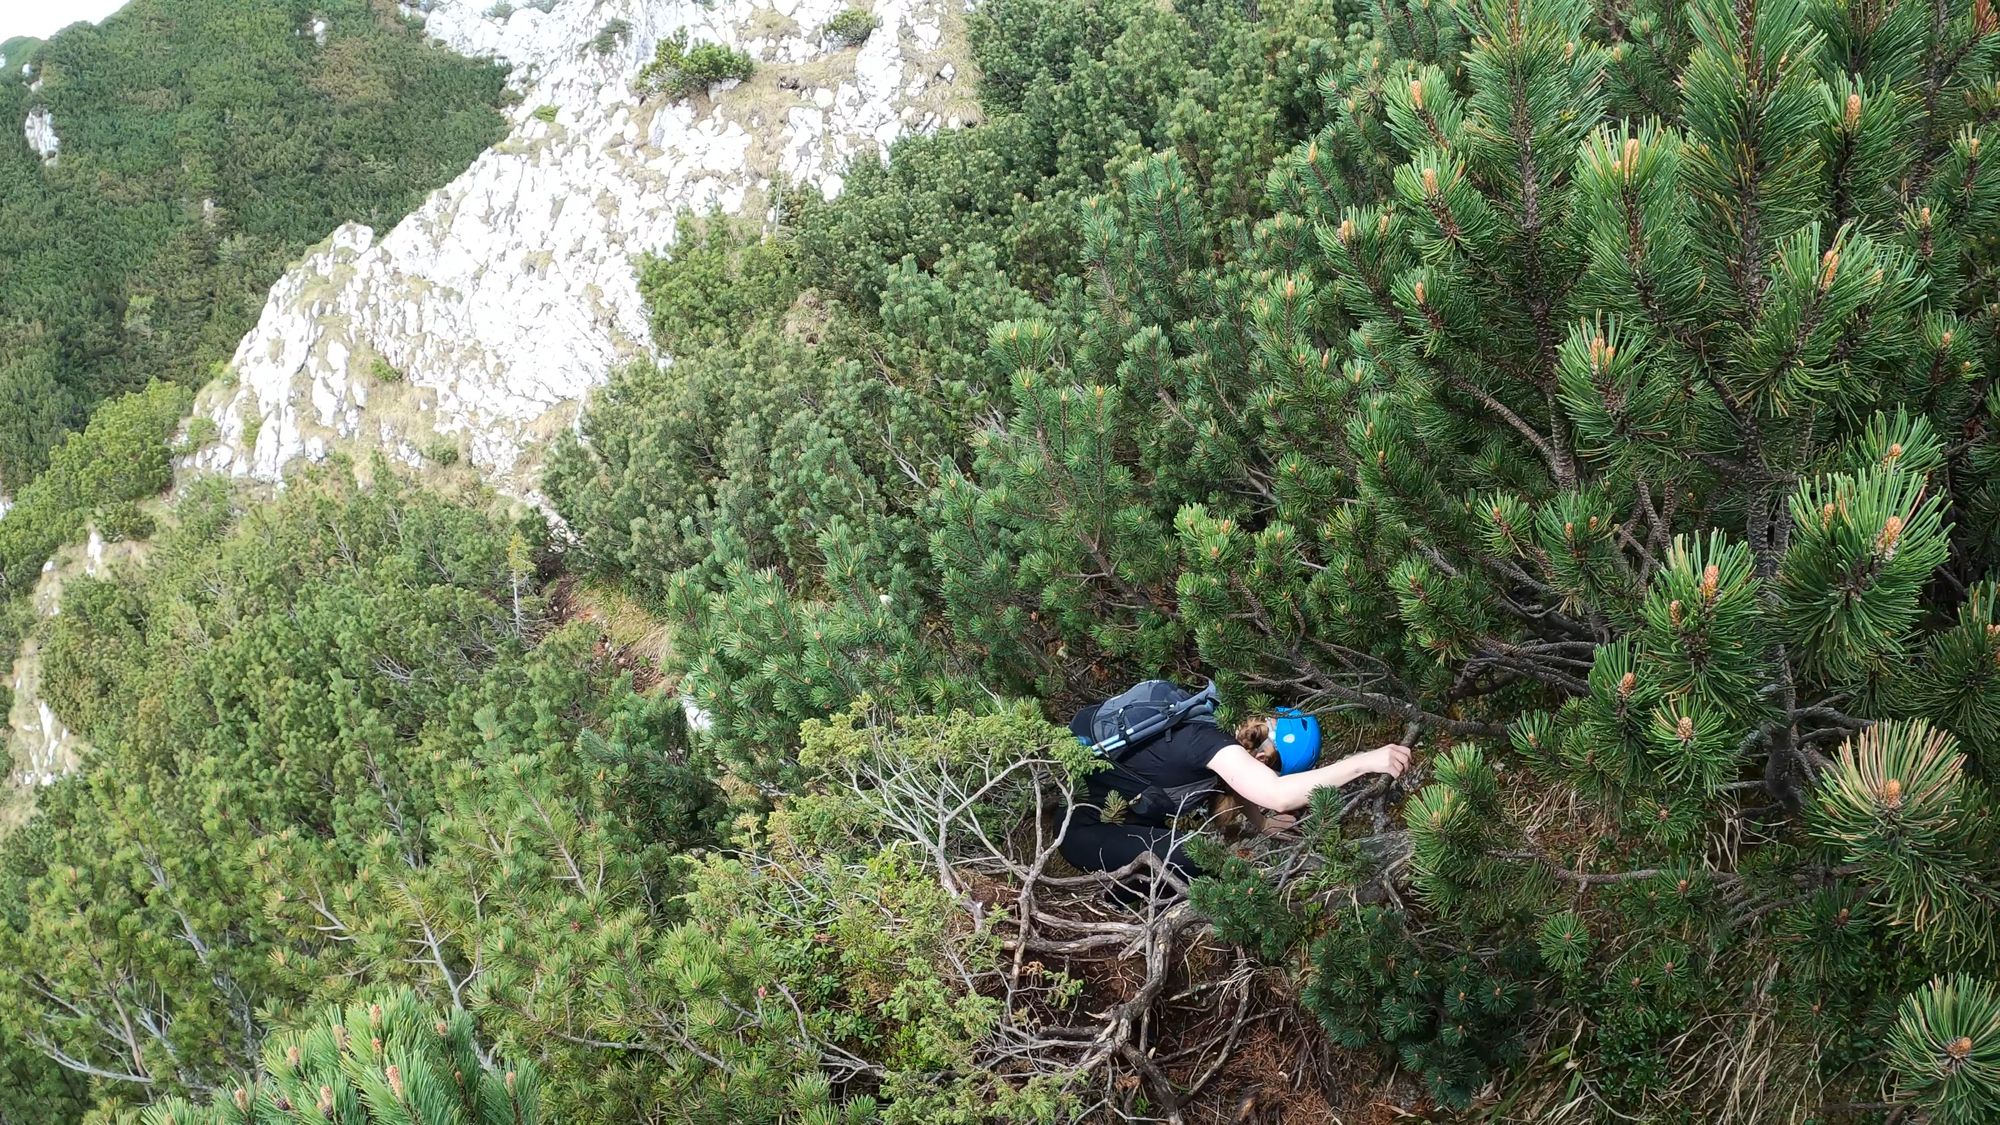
473 330
40 129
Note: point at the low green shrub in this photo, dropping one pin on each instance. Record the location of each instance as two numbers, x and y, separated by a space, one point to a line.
679 68
850 28
121 456
1451 1017
441 451
200 433
612 34
124 520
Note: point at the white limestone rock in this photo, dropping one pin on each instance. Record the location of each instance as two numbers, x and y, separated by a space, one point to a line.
41 133
34 743
487 315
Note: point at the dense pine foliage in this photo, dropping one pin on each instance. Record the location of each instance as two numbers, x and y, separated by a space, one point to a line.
1599 397
205 143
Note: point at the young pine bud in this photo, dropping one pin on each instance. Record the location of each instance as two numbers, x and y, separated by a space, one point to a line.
1828 263
1625 685
1346 233
1825 516
326 1102
1419 292
1892 530
1853 111
1891 794
1674 612
1631 161
1417 94
1430 181
395 1076
1959 1049
1684 730
1711 579
242 1099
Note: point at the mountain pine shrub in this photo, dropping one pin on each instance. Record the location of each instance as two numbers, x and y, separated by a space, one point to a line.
1946 1047
1603 401
680 68
850 28
1451 1019
1611 396
381 1061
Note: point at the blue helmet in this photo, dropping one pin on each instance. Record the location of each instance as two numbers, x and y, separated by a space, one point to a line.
1296 734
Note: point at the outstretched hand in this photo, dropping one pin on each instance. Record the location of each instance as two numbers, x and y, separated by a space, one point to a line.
1391 759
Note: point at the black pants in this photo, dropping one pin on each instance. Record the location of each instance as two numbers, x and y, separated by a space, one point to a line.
1096 846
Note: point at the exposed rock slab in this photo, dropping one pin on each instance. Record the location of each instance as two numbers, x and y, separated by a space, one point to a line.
475 328
40 130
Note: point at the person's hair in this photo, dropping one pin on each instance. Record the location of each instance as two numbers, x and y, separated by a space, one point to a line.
1253 734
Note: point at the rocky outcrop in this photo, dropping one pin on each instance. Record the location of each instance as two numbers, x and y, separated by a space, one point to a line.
41 747
474 329
41 133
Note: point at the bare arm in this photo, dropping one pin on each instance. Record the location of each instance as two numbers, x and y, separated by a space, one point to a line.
1261 785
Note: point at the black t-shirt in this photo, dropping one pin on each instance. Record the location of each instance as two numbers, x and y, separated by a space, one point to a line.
1178 757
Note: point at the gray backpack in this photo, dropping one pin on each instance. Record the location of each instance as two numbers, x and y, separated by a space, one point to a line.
1122 724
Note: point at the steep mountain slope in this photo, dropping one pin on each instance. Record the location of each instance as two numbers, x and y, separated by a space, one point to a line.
158 171
474 328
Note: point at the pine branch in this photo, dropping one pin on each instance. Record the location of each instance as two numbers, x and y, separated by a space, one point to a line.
1580 879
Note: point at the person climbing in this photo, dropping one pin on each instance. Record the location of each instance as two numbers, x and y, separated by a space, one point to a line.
1168 757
